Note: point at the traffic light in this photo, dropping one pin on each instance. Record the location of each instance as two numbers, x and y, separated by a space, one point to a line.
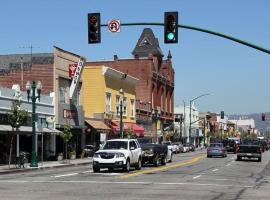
171 27
94 28
222 114
263 116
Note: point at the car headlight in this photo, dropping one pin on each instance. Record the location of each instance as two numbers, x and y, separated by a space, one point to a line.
96 155
119 155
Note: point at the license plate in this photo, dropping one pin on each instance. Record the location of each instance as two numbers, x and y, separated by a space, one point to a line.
249 154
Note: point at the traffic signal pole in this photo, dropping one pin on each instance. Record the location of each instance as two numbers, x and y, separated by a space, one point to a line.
200 30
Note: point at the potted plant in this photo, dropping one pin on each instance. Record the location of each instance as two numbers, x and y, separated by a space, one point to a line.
72 154
60 156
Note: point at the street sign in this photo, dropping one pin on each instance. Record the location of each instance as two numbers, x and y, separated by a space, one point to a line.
114 26
76 78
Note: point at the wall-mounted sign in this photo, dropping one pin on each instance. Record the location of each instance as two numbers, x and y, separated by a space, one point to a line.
70 114
76 78
71 70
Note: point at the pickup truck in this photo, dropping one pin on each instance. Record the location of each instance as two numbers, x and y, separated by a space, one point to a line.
249 149
153 153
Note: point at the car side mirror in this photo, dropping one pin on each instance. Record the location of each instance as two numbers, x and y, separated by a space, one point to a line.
132 148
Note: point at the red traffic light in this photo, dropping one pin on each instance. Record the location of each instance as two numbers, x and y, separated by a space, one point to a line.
94 33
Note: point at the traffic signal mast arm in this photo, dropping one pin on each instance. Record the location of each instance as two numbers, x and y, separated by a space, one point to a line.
201 30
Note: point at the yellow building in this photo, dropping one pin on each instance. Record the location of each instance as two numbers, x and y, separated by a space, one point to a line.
103 89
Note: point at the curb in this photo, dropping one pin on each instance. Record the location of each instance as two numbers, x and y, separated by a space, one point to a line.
10 171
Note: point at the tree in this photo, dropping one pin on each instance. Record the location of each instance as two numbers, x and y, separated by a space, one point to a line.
66 135
16 118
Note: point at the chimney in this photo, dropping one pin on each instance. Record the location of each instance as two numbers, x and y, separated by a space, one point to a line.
115 57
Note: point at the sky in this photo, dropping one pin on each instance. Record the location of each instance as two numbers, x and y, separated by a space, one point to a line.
236 76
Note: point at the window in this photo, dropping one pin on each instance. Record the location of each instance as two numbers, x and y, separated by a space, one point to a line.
133 144
117 105
62 94
108 102
132 107
125 106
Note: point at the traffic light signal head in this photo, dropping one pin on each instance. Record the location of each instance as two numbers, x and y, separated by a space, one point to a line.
222 114
94 35
263 116
171 27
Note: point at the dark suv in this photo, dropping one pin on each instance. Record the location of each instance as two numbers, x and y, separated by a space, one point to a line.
231 146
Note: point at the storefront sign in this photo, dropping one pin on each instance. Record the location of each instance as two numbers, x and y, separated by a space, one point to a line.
71 69
76 78
70 114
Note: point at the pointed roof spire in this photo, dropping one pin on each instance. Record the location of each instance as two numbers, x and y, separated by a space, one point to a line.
169 55
147 44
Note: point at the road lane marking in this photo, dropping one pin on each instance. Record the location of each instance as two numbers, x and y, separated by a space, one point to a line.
63 175
195 177
180 164
214 170
228 165
126 182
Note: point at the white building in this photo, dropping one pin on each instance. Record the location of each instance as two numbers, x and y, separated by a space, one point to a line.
182 129
244 124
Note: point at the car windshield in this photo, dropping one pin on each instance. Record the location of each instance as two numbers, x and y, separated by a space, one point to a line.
144 140
116 145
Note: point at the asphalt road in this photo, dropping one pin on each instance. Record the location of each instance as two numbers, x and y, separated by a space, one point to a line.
190 176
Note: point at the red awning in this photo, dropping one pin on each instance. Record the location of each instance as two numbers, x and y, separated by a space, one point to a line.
139 130
116 126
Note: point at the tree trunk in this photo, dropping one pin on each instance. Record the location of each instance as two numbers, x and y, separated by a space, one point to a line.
10 150
66 152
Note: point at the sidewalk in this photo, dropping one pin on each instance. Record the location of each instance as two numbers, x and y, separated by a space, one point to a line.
48 164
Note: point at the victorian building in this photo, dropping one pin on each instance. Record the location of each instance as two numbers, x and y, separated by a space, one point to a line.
155 85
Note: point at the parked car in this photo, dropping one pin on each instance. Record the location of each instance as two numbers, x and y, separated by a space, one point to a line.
176 148
90 150
153 153
180 146
191 147
249 149
216 149
118 153
170 150
186 148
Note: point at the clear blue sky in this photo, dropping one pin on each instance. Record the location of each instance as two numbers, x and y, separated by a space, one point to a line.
236 76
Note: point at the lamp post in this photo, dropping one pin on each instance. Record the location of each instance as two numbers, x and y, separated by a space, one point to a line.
189 136
33 97
155 118
121 114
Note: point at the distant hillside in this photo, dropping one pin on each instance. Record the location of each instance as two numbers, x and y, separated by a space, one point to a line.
262 126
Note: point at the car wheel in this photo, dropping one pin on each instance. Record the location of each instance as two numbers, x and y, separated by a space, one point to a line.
127 167
164 160
96 169
259 159
170 159
239 158
208 156
156 159
139 164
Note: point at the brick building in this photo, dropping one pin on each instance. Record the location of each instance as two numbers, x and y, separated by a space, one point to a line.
52 69
155 88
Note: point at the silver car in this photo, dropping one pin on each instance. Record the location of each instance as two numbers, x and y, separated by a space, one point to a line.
216 149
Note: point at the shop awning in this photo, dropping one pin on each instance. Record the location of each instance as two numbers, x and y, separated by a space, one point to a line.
138 130
116 126
28 130
99 125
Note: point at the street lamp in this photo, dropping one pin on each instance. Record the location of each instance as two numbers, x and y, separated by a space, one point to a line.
189 136
33 97
121 113
155 117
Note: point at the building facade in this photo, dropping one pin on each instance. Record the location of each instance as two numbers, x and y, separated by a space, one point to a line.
155 86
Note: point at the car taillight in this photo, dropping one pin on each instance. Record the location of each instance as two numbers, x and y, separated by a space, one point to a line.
259 150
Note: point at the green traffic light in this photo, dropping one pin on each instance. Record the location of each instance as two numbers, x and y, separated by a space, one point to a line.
170 36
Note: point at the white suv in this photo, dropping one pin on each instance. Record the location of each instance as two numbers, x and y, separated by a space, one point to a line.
118 153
